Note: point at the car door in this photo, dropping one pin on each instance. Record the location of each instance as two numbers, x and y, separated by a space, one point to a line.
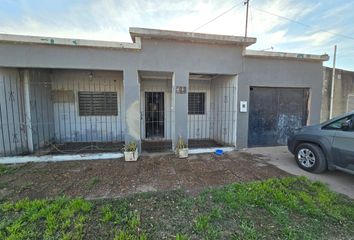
343 145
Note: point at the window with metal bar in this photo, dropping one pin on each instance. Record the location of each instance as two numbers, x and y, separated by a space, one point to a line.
98 103
196 103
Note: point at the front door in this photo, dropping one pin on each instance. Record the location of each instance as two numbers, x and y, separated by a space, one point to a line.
154 115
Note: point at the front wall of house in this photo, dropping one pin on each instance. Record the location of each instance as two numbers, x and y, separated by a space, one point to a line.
180 58
155 55
69 125
261 72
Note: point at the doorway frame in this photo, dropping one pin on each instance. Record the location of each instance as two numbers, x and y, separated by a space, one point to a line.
143 113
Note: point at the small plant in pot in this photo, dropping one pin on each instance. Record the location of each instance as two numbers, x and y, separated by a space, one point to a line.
131 151
181 148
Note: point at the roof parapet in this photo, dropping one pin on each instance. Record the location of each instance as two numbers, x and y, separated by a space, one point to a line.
191 37
22 39
286 55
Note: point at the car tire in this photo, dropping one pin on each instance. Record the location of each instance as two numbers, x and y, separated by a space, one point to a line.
311 158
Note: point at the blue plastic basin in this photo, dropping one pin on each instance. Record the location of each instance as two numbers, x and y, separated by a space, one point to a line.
219 152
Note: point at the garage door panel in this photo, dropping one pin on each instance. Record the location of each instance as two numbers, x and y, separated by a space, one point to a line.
275 113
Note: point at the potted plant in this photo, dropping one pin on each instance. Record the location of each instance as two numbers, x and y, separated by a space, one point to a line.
131 151
181 148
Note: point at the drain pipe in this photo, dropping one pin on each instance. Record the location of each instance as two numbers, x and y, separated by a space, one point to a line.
28 120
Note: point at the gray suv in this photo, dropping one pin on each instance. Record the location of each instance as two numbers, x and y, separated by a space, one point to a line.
326 146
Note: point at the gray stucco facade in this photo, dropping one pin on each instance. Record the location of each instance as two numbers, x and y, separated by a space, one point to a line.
180 54
265 72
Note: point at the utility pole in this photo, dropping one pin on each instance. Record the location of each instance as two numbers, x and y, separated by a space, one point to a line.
332 83
247 5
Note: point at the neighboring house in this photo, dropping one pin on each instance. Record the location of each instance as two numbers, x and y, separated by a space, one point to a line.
207 89
343 96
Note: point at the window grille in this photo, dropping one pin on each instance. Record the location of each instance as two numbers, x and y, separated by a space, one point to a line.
98 104
196 103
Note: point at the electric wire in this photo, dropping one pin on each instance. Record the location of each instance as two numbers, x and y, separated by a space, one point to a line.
276 15
303 24
220 15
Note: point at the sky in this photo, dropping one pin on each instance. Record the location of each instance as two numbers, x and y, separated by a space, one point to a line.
318 26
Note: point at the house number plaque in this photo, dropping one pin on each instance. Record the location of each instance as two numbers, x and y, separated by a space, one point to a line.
181 89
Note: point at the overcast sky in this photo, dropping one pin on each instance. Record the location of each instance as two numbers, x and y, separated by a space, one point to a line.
111 19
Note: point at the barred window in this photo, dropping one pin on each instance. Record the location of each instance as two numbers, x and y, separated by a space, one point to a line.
98 104
196 103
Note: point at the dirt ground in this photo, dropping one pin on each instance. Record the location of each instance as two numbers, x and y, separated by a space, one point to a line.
115 178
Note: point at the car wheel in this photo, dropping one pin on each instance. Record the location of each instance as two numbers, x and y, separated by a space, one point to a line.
310 157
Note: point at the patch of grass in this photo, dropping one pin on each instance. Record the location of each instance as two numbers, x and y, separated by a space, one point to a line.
288 208
6 169
181 237
93 181
247 231
3 185
44 219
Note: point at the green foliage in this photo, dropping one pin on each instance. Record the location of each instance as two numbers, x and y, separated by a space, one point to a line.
281 198
107 213
180 144
61 218
3 169
6 169
287 208
205 224
93 181
130 147
247 231
202 223
128 222
131 228
181 237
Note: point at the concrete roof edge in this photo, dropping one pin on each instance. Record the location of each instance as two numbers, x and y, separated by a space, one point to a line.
24 39
191 36
286 55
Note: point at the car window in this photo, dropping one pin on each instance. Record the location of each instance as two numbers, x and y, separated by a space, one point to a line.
337 125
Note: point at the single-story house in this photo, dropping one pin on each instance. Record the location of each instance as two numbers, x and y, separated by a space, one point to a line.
71 95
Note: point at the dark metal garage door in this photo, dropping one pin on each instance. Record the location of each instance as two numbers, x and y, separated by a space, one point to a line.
274 113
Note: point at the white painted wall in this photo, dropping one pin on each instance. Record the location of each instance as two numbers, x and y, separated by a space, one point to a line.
199 124
69 126
157 85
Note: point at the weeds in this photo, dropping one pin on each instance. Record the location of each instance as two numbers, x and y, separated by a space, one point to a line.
181 237
271 209
6 169
247 231
60 218
93 181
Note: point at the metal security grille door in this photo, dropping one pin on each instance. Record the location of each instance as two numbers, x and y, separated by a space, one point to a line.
275 113
154 115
